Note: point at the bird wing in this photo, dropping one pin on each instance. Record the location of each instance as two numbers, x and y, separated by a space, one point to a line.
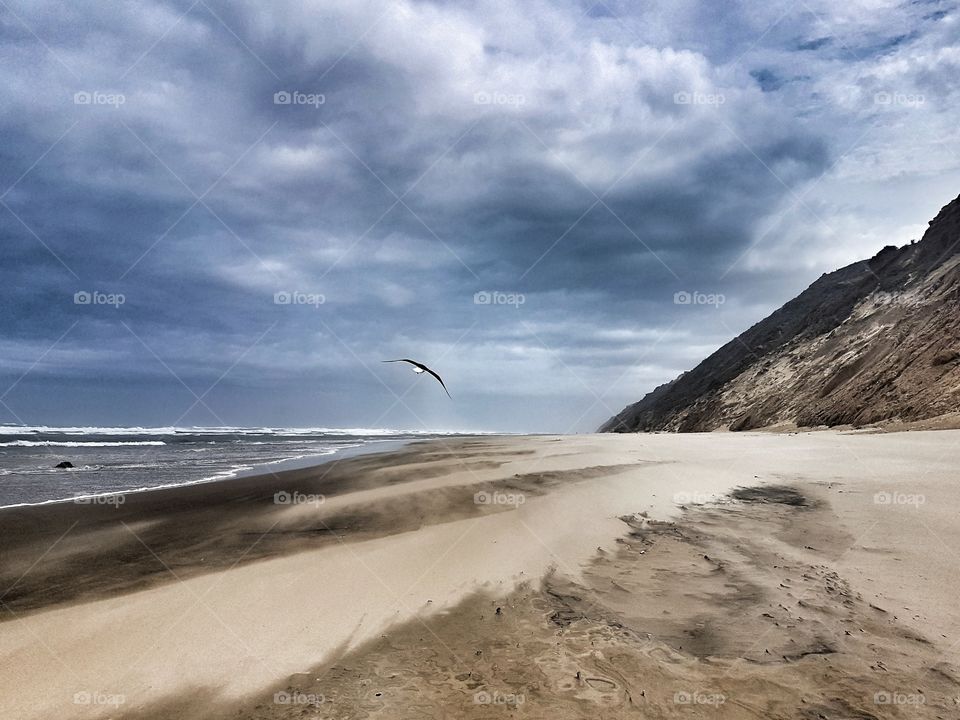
439 380
425 369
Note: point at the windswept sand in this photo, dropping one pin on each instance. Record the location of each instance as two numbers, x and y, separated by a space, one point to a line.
720 575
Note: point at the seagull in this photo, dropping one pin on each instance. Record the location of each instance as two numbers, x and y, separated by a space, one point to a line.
419 369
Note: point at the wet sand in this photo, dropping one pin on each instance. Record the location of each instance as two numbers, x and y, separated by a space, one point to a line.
719 575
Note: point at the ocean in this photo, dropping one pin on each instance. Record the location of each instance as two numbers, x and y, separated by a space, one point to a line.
111 460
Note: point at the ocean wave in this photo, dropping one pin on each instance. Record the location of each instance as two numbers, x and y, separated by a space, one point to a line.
79 443
221 430
77 430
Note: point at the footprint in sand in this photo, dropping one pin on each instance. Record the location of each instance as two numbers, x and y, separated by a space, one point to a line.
601 684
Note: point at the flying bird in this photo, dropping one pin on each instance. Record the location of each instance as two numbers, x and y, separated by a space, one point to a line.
419 369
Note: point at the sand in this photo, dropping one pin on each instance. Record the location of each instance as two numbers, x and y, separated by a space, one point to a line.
716 575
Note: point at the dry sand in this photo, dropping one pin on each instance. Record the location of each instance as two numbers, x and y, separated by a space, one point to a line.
717 575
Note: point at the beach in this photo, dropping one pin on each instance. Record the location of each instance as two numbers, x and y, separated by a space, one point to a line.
791 575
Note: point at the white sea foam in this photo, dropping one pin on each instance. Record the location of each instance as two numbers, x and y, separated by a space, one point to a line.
78 443
222 430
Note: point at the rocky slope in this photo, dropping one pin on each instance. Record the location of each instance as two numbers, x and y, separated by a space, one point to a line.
877 340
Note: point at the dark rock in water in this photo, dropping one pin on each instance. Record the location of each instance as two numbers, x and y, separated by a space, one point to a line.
65 464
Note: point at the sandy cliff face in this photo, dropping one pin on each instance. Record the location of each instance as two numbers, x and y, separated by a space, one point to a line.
877 340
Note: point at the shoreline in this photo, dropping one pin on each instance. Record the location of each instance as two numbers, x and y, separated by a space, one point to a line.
248 471
185 520
208 601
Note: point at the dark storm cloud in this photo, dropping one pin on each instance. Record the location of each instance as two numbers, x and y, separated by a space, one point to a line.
378 165
814 44
767 79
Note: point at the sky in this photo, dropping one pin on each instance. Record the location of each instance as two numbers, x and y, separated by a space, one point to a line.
228 213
